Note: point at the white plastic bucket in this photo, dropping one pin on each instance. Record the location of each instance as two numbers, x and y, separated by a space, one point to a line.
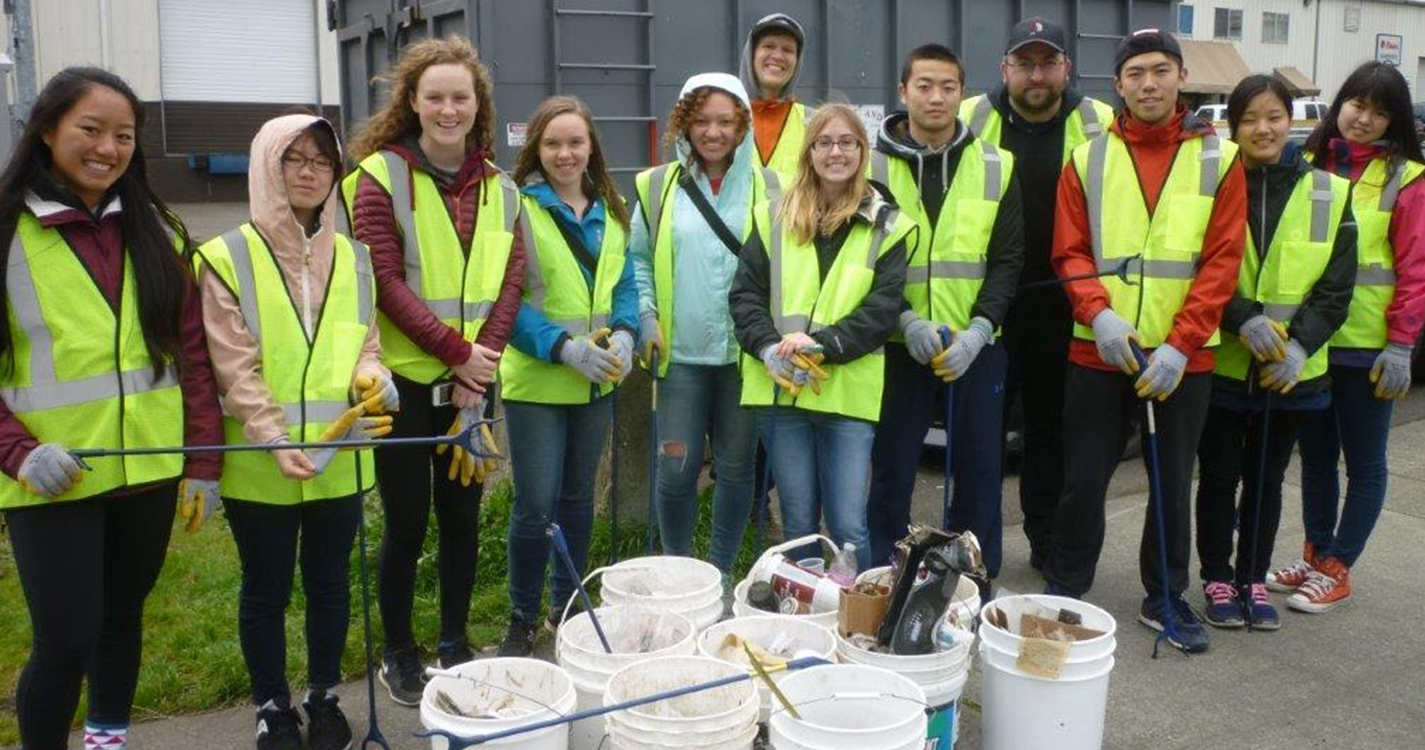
581 654
1013 606
764 631
941 675
849 707
684 585
964 604
530 690
740 608
717 718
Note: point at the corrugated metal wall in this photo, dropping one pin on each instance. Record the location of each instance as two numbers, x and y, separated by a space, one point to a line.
629 58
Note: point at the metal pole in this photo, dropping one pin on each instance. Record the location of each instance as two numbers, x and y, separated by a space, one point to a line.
22 37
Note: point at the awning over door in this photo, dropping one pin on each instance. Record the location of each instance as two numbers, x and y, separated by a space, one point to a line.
1212 67
1296 81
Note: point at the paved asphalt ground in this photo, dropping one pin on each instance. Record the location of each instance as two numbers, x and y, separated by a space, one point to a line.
1353 678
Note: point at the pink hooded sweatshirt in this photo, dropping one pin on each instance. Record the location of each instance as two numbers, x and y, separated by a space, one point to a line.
306 263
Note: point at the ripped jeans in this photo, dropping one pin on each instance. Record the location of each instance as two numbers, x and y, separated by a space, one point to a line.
695 401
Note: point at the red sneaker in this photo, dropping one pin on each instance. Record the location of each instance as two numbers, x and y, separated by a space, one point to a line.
1326 587
1287 580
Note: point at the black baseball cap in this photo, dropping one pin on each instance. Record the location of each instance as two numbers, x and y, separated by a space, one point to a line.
1143 41
1036 29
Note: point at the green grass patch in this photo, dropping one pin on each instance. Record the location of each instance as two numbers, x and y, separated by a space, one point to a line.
192 660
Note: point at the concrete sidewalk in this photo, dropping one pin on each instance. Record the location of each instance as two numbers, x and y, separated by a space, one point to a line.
1352 678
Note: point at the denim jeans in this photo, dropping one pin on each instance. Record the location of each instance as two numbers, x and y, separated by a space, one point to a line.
554 455
693 402
1358 425
821 461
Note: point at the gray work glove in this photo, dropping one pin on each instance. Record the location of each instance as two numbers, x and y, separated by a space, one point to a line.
1164 372
197 499
49 471
377 385
1283 376
364 427
621 344
652 337
1264 338
964 348
1391 371
596 364
780 369
1112 334
922 340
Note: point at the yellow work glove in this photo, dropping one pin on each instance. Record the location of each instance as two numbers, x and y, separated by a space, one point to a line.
464 464
808 371
197 499
377 390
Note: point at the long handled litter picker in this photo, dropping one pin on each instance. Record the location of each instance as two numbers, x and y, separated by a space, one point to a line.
653 455
1120 270
1155 499
460 743
765 500
945 338
373 731
1257 510
561 546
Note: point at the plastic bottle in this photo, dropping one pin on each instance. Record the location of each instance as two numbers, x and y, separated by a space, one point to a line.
843 568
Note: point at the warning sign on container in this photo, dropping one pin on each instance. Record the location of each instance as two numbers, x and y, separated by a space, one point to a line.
515 133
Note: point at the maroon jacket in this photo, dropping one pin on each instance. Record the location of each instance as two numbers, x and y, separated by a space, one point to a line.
375 225
99 244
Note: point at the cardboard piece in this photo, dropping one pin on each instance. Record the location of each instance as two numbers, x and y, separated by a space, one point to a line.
1033 626
863 609
1042 657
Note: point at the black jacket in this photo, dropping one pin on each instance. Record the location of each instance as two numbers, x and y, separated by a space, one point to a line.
935 171
1324 310
861 332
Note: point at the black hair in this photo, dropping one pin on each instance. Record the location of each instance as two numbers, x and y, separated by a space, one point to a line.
931 52
149 227
1247 90
324 137
1384 87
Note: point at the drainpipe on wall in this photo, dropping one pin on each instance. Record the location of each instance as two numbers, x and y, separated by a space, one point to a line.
22 39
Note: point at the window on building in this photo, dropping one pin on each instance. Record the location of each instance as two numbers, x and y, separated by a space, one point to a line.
1185 20
1275 27
1227 23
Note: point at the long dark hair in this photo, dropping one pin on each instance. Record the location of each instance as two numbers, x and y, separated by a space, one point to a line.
149 226
598 183
1383 86
1247 90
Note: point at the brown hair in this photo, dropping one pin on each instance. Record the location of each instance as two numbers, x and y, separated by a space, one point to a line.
805 209
597 181
396 119
681 118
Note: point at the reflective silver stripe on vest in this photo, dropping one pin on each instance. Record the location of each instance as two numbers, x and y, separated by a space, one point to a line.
773 183
1391 191
994 172
454 308
980 115
94 388
317 411
655 201
511 201
581 326
402 204
365 280
1321 197
1089 115
1280 310
946 269
1375 275
1093 196
1209 158
241 256
533 275
880 168
25 306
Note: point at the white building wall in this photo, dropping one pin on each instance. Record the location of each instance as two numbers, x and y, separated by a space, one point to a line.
1342 51
1261 57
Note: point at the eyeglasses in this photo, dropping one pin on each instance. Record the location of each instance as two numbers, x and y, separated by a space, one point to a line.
847 145
1024 67
318 163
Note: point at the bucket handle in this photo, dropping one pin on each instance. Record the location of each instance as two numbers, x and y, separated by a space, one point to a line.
860 696
591 576
793 544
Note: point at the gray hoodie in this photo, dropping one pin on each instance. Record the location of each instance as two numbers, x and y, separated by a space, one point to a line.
781 22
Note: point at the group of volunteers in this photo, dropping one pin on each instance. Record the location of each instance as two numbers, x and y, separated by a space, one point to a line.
808 298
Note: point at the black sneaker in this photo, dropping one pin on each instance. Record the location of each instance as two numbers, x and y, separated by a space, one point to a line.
1189 635
552 622
278 728
519 638
327 727
403 676
448 655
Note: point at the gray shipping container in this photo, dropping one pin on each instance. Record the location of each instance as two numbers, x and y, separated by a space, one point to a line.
628 58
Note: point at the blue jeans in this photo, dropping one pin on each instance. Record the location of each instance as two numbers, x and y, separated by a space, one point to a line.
693 402
820 461
1357 424
554 455
912 397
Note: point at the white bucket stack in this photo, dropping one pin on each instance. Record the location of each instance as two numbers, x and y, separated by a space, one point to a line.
512 692
692 588
795 634
1023 710
723 718
635 634
849 707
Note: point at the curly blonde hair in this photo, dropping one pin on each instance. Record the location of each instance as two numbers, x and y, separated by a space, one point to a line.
397 119
805 209
681 118
598 183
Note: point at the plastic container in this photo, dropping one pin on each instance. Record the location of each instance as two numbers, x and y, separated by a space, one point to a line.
724 717
580 653
520 691
964 605
942 675
764 631
1093 618
740 609
788 578
850 707
690 587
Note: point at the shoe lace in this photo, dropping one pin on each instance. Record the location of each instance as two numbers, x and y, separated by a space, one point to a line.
1317 584
1184 612
1297 569
1220 592
1259 593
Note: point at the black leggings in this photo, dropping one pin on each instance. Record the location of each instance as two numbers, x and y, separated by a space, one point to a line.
86 567
407 478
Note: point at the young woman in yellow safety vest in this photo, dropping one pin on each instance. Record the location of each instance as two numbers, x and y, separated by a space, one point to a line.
818 294
573 342
1369 137
684 270
441 221
1293 289
101 347
289 309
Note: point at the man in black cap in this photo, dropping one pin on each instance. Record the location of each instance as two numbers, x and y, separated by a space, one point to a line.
771 60
1160 192
1036 116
